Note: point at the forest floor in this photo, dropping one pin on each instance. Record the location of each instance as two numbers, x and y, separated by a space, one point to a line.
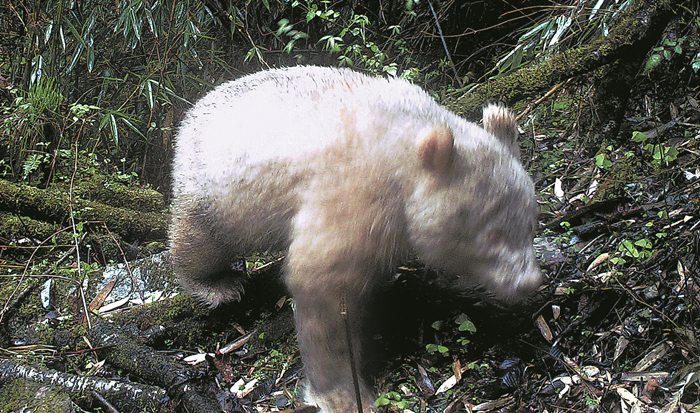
615 327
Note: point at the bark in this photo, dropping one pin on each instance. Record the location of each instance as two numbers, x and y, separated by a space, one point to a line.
127 397
53 206
130 353
628 35
119 195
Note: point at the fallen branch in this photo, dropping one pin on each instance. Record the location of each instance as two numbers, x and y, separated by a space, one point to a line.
53 205
625 37
129 352
127 397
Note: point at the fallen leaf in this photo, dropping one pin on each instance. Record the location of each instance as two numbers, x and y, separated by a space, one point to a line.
599 260
446 385
544 328
650 358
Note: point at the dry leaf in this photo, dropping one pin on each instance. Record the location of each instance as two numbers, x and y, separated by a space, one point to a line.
620 346
599 260
113 306
457 368
556 311
238 343
424 383
635 376
544 328
448 384
241 389
650 358
102 296
627 396
558 191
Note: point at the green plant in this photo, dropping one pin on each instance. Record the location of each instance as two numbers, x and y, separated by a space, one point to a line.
563 28
394 399
669 47
660 153
602 160
435 348
464 324
640 249
347 36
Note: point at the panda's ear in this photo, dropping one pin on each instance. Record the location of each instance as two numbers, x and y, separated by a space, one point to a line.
436 149
501 123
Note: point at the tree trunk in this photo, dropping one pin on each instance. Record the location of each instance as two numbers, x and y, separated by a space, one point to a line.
54 206
629 36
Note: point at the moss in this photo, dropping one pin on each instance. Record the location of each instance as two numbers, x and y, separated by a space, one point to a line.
13 227
180 309
22 395
620 174
53 205
105 190
537 78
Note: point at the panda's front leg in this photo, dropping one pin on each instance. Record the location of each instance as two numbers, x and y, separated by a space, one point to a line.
331 276
330 346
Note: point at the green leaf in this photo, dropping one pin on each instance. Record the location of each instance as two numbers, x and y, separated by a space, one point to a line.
627 247
113 128
284 27
382 401
644 243
600 160
150 95
517 58
31 164
654 60
132 127
465 324
135 24
62 36
90 58
639 136
696 63
151 23
289 47
47 32
671 154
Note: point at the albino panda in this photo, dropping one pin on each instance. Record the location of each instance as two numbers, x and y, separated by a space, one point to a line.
346 174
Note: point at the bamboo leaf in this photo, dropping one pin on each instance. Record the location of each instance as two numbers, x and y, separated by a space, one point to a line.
517 58
132 127
151 23
135 24
564 22
113 127
76 55
90 58
47 33
63 38
149 94
534 31
37 70
89 24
